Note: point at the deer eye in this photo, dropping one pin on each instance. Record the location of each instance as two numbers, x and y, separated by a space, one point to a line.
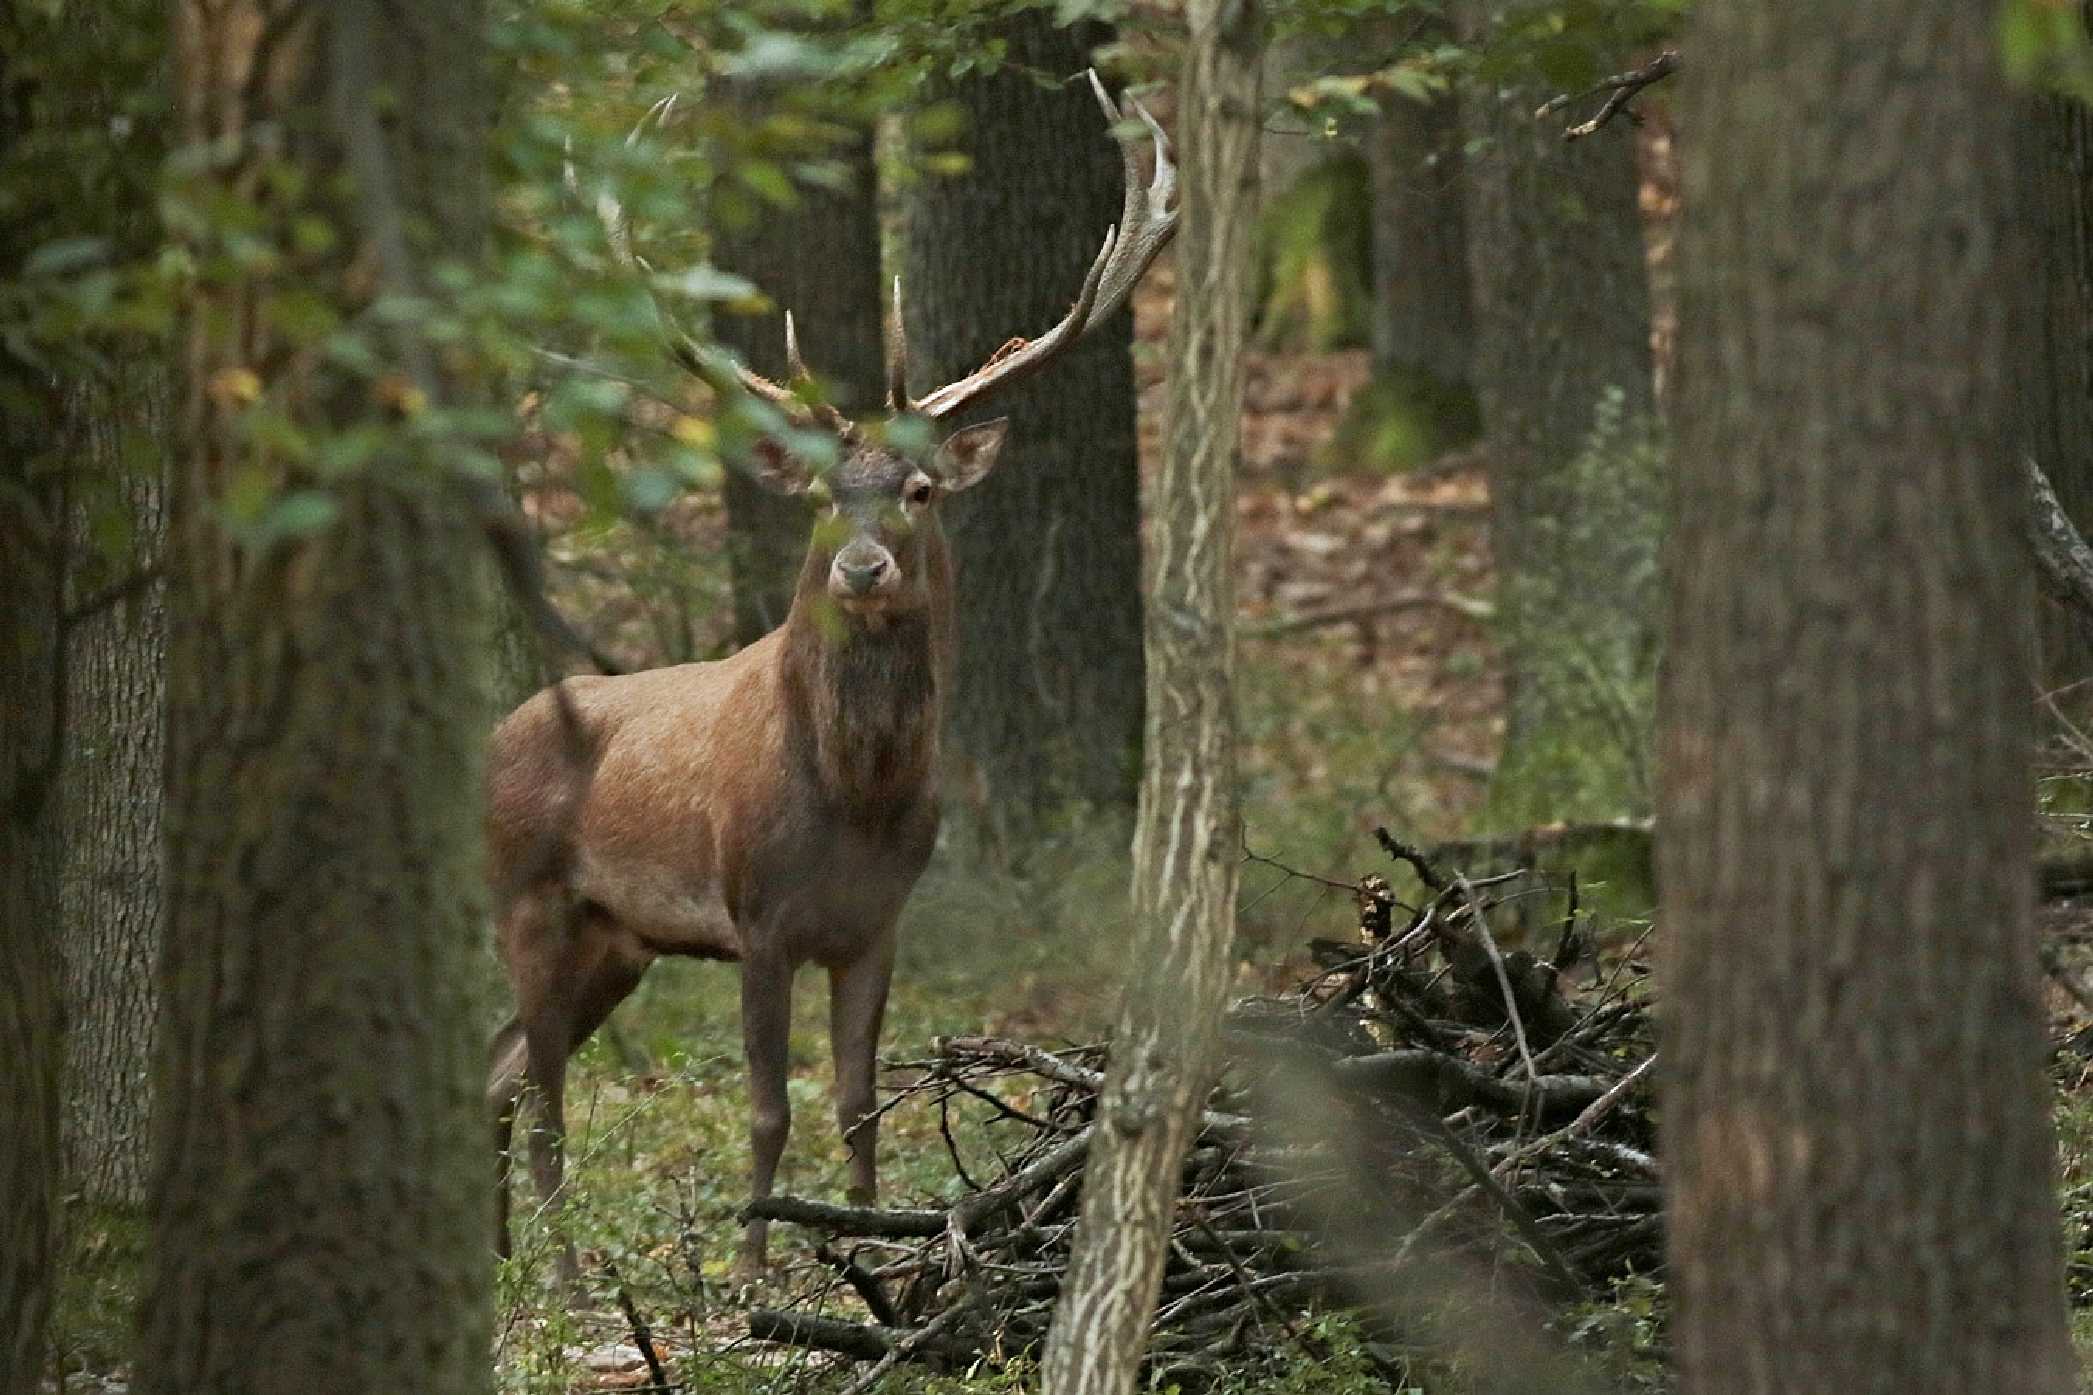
919 491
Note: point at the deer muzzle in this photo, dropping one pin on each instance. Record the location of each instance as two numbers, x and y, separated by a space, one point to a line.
862 571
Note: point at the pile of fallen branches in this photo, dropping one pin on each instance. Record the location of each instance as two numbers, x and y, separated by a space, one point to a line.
1429 1100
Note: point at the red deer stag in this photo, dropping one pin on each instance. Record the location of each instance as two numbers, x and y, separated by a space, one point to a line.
774 808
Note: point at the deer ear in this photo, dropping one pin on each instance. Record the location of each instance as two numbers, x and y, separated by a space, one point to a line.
966 457
778 469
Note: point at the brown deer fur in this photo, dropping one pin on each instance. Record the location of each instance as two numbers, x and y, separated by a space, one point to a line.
774 808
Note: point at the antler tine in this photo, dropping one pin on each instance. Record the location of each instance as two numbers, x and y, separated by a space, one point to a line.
732 376
1146 220
794 364
1145 227
897 356
827 414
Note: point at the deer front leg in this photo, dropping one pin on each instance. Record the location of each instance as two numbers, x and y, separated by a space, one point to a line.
857 1004
766 1028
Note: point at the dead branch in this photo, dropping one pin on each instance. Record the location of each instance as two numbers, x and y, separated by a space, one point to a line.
1408 1040
1622 88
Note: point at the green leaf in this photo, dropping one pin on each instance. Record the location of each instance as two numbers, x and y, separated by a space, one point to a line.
705 283
66 254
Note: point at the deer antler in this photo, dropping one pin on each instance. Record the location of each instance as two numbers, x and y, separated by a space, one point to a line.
730 376
1146 223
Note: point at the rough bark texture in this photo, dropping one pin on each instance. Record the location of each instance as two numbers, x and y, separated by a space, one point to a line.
1563 370
1188 842
1422 324
1857 1150
318 1198
819 260
109 831
1047 706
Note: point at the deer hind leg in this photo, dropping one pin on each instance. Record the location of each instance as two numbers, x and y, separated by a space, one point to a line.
597 965
857 1004
766 1029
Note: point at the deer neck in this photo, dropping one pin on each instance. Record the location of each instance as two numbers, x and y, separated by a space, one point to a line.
865 693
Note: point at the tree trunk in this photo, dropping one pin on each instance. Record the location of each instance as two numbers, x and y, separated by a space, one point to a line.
30 499
819 260
1188 842
1857 1142
1423 326
1048 698
109 892
29 967
2055 157
1563 371
319 1205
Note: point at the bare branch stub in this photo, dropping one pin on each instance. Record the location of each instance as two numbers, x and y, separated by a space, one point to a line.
1621 89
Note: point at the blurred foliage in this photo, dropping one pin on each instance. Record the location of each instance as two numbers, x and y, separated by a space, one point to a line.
1591 754
1403 419
609 164
1315 256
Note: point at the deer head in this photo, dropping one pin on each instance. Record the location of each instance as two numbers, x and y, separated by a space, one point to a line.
882 503
881 518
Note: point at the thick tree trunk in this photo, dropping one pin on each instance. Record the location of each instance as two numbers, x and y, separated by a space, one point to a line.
819 260
1857 1146
2054 155
1048 699
1423 326
1187 845
109 893
1563 370
318 1197
32 561
29 966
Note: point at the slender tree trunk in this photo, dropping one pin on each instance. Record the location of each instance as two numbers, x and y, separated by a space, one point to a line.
1563 370
1187 845
1857 1144
819 260
109 893
319 1207
1048 705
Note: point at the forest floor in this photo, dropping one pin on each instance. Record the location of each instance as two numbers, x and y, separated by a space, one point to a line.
1389 714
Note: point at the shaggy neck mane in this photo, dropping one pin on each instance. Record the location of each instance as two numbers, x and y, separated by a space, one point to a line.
866 693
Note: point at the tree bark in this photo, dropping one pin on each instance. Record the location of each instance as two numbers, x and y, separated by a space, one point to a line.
1423 323
1563 371
110 882
1049 690
1857 1143
2054 154
819 260
29 967
318 1198
31 500
1188 841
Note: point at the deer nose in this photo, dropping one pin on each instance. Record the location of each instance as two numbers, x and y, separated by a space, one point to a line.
861 577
